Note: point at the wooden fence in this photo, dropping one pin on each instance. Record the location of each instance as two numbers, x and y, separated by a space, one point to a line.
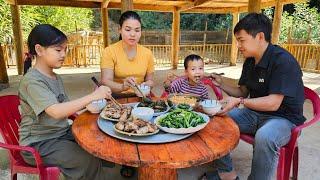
307 55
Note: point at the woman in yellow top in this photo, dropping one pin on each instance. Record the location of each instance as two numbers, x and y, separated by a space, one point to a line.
126 62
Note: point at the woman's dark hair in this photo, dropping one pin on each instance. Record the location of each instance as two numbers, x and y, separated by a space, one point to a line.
191 57
45 35
128 15
254 23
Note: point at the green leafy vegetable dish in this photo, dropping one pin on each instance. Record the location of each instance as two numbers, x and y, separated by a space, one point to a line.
180 118
184 106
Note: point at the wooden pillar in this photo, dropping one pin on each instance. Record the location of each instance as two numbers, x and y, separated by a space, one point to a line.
126 5
4 80
17 34
175 38
254 6
276 22
234 48
105 26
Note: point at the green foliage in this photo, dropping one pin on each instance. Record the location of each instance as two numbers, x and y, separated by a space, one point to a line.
215 22
66 19
300 21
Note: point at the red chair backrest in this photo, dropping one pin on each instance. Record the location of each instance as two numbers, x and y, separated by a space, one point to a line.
9 120
315 100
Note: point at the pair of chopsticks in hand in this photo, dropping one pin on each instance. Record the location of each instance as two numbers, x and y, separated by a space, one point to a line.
111 98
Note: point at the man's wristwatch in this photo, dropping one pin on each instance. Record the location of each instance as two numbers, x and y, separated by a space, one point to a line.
241 100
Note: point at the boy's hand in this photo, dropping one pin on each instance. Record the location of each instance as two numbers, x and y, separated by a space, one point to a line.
101 93
229 104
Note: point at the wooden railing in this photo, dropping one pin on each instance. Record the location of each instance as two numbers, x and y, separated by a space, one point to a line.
307 55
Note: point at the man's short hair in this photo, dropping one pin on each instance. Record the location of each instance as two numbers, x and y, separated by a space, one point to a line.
253 23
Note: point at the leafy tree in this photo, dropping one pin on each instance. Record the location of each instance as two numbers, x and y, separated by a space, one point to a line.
66 19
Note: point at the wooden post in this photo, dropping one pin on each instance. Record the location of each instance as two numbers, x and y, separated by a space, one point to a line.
126 5
105 26
276 22
175 37
254 6
4 80
234 48
17 34
205 37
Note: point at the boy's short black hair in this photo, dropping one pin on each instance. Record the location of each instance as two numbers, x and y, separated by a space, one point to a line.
253 23
191 57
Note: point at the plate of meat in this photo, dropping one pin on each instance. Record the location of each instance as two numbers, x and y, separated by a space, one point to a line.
136 127
113 113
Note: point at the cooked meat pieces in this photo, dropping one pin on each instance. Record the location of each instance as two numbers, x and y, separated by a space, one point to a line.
112 113
130 126
151 128
140 122
120 125
137 126
143 130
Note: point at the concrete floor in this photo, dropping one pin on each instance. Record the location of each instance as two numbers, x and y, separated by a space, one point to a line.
77 83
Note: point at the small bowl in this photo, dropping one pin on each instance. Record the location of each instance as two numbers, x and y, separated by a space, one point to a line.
96 106
143 113
144 89
210 107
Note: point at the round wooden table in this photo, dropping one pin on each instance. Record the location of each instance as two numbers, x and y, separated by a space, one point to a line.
158 161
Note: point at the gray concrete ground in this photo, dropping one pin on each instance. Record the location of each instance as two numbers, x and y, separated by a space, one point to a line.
77 83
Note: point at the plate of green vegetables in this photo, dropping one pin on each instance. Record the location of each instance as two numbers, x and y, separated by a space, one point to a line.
180 121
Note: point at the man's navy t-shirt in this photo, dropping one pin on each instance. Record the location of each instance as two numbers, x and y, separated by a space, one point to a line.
277 72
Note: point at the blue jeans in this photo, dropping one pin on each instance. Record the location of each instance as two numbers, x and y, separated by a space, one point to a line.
271 133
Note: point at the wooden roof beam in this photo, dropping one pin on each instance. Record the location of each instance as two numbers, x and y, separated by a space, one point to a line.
213 10
105 3
143 7
64 3
200 2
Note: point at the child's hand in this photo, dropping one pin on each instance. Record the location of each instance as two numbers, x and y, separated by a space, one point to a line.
101 93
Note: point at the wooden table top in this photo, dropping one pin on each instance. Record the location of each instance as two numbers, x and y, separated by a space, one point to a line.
218 138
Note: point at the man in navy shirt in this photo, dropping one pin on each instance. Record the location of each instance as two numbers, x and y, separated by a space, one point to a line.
271 92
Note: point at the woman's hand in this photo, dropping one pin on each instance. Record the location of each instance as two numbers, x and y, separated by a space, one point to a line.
101 93
129 82
229 104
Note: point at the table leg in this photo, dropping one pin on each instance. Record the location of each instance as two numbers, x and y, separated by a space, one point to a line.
146 173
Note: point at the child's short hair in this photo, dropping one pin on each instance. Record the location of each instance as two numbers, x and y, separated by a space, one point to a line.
191 57
254 23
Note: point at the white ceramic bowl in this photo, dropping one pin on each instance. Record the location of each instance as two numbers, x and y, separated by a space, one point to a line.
96 106
143 113
144 89
210 106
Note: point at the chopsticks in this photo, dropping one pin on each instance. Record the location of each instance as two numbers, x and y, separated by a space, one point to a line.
111 98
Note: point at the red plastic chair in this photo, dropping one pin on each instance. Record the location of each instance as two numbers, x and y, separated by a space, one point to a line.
290 152
9 124
206 81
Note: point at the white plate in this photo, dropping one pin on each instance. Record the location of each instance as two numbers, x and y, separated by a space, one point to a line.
183 130
134 134
155 113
